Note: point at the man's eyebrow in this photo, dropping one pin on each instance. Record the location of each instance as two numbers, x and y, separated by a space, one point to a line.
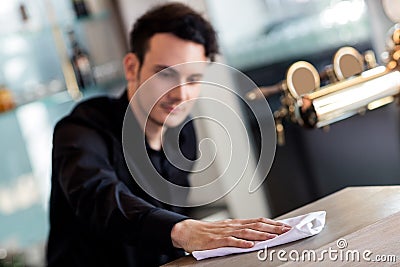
196 75
158 68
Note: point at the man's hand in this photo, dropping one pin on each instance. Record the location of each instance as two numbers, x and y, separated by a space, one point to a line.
194 235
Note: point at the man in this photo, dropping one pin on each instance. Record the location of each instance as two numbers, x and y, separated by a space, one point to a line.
99 215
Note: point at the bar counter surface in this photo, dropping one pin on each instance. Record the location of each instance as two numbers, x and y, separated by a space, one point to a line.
360 221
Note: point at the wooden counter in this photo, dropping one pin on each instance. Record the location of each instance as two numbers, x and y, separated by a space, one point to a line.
367 218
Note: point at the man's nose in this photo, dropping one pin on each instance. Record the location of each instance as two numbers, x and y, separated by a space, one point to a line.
178 93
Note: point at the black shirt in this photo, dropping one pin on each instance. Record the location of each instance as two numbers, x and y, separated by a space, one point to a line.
99 215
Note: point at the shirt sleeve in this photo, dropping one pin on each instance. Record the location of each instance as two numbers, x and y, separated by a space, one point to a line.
100 200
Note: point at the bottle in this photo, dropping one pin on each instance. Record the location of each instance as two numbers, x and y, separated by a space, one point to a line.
81 64
80 8
6 99
27 18
23 13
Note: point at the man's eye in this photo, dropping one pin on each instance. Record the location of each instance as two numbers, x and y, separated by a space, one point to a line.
166 74
194 79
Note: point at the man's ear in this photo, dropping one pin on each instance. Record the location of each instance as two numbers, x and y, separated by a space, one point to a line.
131 67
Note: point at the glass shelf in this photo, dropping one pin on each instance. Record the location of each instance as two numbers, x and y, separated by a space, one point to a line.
61 95
27 29
31 74
32 67
26 166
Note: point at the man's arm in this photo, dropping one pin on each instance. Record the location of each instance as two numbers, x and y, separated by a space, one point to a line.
100 201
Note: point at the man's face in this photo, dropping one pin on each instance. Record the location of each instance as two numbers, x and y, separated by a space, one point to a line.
165 98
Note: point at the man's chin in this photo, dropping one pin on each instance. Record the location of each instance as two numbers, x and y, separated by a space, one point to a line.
173 121
170 121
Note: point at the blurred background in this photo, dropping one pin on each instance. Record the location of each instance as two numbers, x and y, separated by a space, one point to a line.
55 53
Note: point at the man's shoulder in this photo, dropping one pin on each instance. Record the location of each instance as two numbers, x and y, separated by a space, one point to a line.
100 105
96 112
90 124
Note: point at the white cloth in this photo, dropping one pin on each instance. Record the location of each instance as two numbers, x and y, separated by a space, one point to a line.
302 226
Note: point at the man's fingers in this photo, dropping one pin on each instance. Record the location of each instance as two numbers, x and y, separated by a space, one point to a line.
231 241
253 235
260 224
263 227
261 220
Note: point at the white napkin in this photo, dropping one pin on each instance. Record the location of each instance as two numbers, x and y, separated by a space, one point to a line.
302 226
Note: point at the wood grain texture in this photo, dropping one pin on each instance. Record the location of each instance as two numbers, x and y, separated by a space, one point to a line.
351 213
381 239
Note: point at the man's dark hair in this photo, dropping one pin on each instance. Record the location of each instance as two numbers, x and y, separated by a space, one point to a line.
175 18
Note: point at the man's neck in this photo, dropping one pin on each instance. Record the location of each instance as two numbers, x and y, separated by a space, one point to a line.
153 131
154 134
